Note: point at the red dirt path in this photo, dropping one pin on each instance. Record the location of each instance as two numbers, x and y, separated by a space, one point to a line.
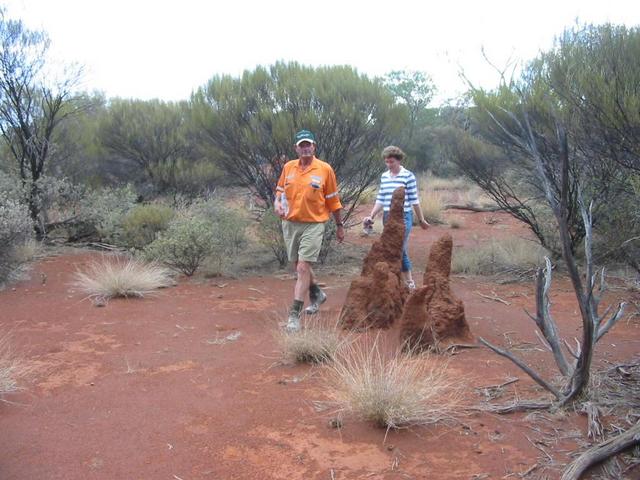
146 389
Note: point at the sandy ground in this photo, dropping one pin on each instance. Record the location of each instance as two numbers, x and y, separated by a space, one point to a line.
188 385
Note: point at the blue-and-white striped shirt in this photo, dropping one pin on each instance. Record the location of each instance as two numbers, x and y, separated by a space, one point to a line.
389 183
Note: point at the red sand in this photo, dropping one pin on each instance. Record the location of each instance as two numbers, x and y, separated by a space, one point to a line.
145 389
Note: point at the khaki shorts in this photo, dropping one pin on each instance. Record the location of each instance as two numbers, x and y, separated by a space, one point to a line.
303 240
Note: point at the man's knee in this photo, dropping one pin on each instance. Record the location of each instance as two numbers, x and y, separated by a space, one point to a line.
303 268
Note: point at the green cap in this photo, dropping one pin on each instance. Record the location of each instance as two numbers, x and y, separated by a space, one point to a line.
304 136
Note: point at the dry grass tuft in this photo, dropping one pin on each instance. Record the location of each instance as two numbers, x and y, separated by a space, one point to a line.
121 277
455 222
432 207
11 369
510 255
392 390
317 342
432 182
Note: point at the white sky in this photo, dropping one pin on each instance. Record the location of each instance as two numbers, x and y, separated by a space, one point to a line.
165 49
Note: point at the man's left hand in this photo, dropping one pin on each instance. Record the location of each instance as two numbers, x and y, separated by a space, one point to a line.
340 233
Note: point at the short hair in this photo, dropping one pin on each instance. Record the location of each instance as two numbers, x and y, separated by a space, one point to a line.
393 151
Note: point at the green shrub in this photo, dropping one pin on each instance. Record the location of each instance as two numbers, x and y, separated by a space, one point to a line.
142 224
270 235
229 223
185 245
16 227
106 209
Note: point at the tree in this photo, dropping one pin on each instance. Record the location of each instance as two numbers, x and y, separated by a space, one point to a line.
154 135
415 90
30 109
250 122
595 70
542 98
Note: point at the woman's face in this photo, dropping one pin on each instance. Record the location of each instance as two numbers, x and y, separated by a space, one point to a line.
393 164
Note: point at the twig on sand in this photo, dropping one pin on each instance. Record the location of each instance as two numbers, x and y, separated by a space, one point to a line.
499 385
495 298
535 444
455 346
232 337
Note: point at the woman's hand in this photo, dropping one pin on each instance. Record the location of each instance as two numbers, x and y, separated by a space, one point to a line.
424 224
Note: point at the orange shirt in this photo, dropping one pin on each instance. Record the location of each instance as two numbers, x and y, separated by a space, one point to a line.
311 193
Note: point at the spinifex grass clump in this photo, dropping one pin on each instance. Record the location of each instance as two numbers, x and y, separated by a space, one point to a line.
11 369
391 389
121 277
317 342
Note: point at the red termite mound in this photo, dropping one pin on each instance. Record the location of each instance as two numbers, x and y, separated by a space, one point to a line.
376 297
432 315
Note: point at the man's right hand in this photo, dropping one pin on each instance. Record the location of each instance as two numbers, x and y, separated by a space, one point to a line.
277 206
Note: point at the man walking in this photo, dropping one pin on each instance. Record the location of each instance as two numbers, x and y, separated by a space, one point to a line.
306 195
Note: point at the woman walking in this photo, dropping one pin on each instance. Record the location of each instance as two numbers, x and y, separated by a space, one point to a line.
398 176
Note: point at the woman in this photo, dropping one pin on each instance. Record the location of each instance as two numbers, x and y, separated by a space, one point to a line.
398 176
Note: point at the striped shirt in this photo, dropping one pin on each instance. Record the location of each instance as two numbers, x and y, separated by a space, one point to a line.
388 184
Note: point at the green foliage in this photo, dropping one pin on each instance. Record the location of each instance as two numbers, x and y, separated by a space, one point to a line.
30 110
184 245
141 225
152 134
106 209
415 90
250 122
270 235
230 224
15 228
595 71
574 102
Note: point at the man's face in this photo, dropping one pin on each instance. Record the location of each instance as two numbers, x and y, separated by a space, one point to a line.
305 149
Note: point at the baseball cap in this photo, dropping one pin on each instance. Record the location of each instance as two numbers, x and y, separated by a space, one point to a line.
304 136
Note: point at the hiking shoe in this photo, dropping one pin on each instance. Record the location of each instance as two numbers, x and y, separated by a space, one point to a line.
293 323
411 285
315 304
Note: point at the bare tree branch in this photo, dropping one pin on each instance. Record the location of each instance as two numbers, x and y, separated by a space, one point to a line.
601 452
524 367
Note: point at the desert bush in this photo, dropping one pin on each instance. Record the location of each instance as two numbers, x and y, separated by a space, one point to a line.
185 244
317 342
15 228
270 235
229 223
106 209
121 277
11 369
510 255
390 389
141 224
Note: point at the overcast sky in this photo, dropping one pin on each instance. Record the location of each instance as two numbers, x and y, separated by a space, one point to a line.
165 49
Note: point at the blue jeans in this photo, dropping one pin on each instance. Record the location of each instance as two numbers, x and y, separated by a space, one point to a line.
408 223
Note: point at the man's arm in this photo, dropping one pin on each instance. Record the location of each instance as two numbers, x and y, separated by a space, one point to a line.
337 216
277 203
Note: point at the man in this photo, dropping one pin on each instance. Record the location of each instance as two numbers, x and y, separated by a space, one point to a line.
306 195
